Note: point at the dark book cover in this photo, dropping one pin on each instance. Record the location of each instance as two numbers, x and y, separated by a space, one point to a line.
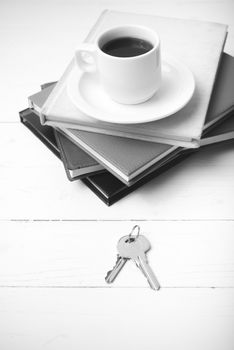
129 159
105 185
76 162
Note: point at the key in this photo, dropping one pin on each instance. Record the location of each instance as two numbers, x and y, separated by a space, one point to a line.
112 274
136 251
121 261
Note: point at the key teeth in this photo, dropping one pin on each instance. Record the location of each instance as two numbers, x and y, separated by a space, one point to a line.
110 272
107 277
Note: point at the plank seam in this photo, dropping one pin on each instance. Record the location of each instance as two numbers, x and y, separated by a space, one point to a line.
108 287
116 220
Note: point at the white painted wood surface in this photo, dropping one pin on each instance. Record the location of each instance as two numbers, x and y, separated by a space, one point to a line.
87 319
52 290
79 254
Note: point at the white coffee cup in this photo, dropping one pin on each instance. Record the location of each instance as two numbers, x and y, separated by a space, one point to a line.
127 80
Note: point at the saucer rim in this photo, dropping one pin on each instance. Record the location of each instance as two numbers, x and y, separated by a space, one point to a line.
87 108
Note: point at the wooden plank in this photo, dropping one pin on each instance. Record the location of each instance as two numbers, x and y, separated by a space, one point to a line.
66 254
87 319
34 186
57 311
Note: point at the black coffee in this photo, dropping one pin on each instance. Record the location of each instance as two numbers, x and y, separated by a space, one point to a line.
126 47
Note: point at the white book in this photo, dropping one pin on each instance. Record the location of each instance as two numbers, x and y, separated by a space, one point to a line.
131 160
197 44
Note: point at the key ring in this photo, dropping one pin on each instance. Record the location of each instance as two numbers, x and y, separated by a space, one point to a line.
136 227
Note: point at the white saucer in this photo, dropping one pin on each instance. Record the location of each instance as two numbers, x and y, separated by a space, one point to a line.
86 92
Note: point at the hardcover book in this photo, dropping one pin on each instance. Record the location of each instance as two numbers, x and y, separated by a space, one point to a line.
197 44
130 159
224 132
76 162
106 186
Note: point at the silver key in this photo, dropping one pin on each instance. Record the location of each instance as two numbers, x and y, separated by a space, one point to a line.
121 261
136 251
112 274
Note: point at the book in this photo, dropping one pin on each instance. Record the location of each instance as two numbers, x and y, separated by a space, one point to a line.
146 153
130 159
196 43
76 162
224 132
106 186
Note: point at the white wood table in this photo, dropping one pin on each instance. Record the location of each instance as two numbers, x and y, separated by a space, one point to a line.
57 239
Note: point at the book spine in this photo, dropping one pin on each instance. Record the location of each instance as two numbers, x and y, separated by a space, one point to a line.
219 138
53 95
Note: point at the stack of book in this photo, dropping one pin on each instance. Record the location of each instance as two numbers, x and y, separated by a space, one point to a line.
115 159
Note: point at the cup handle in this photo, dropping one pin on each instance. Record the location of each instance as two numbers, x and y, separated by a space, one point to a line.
83 55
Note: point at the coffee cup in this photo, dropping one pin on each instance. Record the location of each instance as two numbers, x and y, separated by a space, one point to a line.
127 60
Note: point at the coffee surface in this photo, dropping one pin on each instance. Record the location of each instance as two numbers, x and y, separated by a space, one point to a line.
126 47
